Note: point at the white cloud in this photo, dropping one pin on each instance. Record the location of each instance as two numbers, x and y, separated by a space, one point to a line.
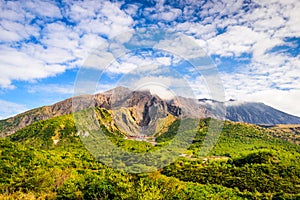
6 35
100 88
92 42
131 9
240 39
51 89
36 43
8 109
199 30
46 47
164 60
106 19
164 86
42 8
158 89
234 42
130 63
291 27
169 14
183 46
122 68
255 32
17 65
99 60
12 31
59 36
277 87
286 101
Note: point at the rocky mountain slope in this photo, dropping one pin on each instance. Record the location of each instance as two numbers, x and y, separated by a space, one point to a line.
131 110
135 111
258 113
252 112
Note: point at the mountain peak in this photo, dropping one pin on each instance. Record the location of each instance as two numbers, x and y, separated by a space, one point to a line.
118 89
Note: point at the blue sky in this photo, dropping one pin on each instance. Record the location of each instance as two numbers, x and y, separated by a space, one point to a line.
44 44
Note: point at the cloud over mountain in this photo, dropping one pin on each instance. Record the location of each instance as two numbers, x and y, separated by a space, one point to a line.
255 44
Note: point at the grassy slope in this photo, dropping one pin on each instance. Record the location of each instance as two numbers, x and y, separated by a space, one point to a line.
32 165
256 162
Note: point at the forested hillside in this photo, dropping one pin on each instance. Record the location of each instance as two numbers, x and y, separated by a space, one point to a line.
47 160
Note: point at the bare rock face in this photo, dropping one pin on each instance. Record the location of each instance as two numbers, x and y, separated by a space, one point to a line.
112 99
142 108
147 107
188 108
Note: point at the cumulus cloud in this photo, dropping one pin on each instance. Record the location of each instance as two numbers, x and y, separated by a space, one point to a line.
258 31
40 39
165 13
164 86
18 65
182 46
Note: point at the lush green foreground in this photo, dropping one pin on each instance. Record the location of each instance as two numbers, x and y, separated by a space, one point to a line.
246 163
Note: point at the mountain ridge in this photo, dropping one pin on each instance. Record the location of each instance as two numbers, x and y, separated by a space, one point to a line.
145 109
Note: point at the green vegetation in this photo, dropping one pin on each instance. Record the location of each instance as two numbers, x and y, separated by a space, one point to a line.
288 132
170 133
47 160
10 125
43 134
